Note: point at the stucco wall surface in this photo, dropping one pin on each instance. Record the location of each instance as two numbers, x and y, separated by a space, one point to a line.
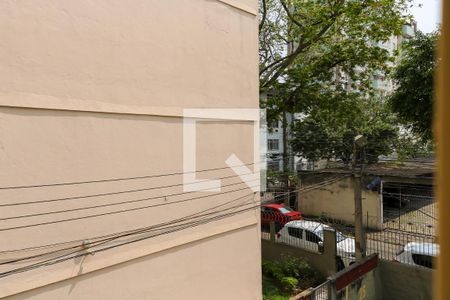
336 200
173 53
94 90
183 269
401 281
324 262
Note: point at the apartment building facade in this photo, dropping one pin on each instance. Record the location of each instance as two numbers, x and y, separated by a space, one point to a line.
381 84
94 203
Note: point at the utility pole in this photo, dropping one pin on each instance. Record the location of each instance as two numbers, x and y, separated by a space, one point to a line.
360 238
285 150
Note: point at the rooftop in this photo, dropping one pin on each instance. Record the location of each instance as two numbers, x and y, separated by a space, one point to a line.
423 168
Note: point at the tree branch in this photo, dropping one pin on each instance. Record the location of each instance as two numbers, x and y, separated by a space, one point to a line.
288 13
288 60
264 14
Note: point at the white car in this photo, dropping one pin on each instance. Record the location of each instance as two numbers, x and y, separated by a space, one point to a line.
309 235
418 254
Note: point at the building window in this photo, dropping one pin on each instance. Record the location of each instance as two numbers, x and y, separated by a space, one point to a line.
273 166
273 144
273 124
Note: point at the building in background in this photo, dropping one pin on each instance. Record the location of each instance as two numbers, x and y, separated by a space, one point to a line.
92 95
380 83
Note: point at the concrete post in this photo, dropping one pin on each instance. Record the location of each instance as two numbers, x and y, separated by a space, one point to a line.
330 251
272 231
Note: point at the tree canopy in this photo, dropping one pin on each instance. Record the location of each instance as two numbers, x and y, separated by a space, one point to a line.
314 36
318 58
412 99
308 49
328 130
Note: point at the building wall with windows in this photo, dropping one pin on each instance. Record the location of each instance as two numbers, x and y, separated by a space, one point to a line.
274 146
381 83
92 95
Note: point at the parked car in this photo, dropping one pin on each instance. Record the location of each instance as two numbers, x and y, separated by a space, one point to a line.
309 235
278 213
418 254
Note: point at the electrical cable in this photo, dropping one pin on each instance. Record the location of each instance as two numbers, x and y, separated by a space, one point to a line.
58 244
308 188
92 238
64 258
116 203
104 194
120 234
159 226
114 212
119 179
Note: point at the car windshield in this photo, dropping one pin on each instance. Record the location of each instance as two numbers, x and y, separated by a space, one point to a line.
339 236
285 209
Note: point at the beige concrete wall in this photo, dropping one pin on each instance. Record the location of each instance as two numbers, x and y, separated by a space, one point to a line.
152 53
401 281
191 262
96 90
336 200
324 262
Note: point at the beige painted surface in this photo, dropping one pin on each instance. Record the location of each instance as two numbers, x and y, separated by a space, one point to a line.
402 281
153 53
336 200
141 278
94 90
324 262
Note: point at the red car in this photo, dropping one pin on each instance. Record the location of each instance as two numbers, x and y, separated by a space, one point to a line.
278 213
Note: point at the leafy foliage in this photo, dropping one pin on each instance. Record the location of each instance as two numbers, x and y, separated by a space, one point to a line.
318 58
271 290
275 177
330 127
412 99
291 273
409 146
323 34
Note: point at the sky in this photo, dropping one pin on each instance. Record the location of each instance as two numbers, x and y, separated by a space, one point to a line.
427 16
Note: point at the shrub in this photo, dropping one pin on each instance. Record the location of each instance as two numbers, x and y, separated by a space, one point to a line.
292 273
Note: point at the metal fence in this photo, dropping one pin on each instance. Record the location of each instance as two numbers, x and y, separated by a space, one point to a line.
413 245
346 284
322 292
407 234
305 233
409 225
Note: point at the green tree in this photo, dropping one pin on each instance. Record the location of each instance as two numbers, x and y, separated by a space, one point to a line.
411 146
327 132
412 99
308 38
311 51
